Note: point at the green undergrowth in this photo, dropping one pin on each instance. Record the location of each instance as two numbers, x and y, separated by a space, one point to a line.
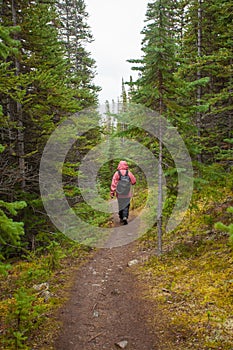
32 290
192 282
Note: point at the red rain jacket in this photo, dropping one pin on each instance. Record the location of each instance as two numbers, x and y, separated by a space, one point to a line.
122 166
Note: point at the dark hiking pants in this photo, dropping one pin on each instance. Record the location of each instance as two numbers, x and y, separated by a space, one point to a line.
123 205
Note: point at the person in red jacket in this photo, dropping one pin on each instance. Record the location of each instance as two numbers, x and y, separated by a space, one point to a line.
123 199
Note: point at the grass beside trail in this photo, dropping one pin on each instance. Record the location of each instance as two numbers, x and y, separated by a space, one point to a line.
192 282
32 292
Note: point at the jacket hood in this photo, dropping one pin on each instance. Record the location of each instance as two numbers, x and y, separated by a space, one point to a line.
122 165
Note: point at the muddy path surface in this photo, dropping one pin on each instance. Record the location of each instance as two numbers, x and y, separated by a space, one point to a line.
107 308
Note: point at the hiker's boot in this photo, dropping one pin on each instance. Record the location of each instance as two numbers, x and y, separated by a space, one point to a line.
125 222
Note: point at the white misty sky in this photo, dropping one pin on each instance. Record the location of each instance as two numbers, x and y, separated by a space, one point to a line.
116 27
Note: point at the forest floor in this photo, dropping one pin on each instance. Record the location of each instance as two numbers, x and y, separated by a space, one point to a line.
127 297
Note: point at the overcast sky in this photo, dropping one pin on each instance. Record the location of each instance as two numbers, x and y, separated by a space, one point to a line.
116 27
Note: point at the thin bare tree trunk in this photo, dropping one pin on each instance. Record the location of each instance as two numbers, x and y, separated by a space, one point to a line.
230 102
199 89
160 184
19 115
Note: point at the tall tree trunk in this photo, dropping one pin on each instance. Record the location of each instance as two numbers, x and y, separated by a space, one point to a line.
230 103
160 170
199 89
160 182
19 115
123 104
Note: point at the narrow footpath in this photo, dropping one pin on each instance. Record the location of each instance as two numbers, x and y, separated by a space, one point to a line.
108 308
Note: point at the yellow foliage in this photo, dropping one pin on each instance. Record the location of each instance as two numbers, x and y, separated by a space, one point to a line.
192 284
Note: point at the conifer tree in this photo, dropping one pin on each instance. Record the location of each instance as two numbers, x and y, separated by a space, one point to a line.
156 85
36 93
207 52
11 231
39 97
156 82
75 33
124 97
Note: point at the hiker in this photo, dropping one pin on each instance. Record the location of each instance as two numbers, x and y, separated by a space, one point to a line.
121 185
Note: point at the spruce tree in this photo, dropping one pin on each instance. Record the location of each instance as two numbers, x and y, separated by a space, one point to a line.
156 86
76 35
37 93
39 97
207 57
156 82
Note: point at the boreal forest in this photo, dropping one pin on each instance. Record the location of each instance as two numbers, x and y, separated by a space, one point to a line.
181 277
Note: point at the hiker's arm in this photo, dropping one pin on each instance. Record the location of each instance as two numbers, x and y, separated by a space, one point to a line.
132 178
114 183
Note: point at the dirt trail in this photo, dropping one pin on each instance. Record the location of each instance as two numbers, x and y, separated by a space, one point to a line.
107 305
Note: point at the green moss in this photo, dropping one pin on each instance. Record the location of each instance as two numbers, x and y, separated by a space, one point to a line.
192 283
19 298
